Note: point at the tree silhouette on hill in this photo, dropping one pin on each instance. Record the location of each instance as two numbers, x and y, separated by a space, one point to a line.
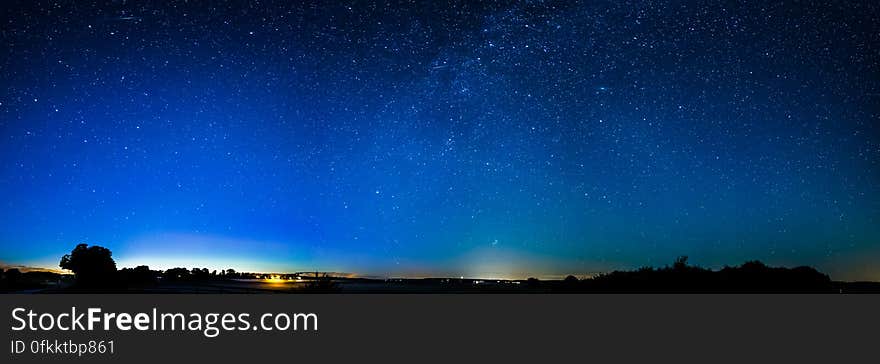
752 276
93 266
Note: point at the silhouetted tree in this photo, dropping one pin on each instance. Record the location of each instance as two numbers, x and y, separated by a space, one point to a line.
322 283
681 263
139 276
93 265
177 274
752 276
200 274
12 277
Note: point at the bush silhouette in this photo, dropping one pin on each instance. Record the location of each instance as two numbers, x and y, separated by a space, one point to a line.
93 266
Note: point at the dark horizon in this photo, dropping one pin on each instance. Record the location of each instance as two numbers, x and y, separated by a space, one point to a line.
95 271
680 261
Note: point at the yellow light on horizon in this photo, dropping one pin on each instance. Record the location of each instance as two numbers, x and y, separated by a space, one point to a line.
274 279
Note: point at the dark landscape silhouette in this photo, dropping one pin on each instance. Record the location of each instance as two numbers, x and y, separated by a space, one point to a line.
94 271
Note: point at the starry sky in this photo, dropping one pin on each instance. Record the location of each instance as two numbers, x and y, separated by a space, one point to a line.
494 139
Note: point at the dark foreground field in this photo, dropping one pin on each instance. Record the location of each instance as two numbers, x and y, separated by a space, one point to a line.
749 278
448 285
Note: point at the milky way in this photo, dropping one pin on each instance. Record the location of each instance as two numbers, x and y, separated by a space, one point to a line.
504 139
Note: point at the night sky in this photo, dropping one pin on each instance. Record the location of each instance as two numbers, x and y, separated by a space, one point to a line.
502 139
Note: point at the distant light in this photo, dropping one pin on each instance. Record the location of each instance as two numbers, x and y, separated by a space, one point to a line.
274 279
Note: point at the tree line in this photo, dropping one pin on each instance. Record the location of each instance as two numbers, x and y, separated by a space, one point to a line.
94 268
